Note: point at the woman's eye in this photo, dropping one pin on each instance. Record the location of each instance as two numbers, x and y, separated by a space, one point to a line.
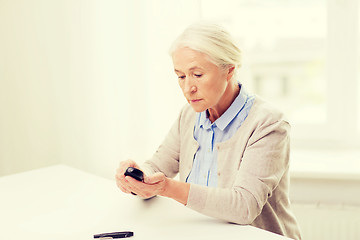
181 77
198 75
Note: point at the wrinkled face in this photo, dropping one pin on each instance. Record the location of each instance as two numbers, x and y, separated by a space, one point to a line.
203 83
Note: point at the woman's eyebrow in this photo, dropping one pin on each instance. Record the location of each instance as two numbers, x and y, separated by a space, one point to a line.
195 68
191 69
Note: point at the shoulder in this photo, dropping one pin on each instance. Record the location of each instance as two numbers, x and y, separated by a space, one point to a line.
264 118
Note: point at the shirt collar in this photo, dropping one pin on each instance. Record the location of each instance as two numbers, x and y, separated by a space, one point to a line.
224 120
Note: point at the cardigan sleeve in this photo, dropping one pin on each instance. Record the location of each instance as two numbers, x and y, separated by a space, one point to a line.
166 157
264 161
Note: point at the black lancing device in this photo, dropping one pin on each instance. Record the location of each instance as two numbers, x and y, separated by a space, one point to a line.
114 235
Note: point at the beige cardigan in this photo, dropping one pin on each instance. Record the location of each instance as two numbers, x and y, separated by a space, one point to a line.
253 170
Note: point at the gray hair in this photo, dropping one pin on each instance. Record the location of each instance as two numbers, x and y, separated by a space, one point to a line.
212 40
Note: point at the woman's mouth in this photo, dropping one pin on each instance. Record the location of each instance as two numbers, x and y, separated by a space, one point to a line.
195 100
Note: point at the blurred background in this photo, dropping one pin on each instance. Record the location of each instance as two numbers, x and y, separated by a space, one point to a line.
90 83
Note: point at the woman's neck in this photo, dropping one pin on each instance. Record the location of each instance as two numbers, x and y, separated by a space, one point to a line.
231 92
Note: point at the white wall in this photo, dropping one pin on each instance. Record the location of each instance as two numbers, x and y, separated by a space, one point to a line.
32 49
80 81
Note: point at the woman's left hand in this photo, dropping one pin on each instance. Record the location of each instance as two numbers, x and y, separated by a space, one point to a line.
153 185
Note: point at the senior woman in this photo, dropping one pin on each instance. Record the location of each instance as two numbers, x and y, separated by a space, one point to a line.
230 148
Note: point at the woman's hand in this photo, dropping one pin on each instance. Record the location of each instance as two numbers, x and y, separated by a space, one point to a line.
120 178
156 184
153 185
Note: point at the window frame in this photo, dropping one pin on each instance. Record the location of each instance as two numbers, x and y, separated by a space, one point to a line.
340 131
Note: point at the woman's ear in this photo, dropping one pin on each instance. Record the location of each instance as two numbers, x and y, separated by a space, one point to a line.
231 72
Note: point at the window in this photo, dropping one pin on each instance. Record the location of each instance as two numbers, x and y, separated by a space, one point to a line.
300 56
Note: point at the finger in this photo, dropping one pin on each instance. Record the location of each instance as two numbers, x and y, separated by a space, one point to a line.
127 163
155 178
123 183
133 182
122 187
123 165
136 186
124 190
119 176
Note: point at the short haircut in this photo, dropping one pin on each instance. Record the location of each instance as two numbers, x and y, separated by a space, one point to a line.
213 40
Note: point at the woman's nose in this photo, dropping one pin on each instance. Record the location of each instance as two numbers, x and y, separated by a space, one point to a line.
189 86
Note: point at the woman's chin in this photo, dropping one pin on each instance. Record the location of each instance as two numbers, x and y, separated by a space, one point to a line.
198 108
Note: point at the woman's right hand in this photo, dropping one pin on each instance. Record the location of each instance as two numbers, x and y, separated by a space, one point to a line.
121 182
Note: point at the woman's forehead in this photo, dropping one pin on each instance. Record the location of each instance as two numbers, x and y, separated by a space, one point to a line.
188 53
188 59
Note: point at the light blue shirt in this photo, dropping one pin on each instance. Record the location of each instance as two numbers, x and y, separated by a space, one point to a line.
207 134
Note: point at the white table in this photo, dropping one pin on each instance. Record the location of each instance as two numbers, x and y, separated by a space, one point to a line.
60 202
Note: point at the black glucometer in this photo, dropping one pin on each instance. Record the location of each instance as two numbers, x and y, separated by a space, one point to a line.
134 173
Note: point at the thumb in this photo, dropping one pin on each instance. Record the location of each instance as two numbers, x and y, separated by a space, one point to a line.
155 178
